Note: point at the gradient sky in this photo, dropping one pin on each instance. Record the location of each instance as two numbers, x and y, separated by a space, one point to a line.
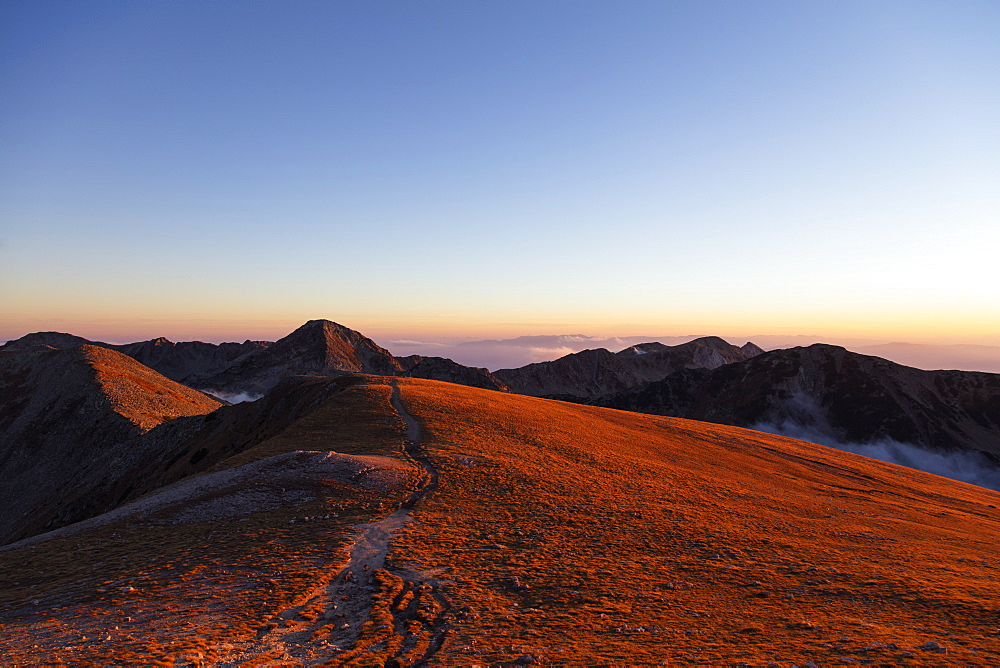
225 170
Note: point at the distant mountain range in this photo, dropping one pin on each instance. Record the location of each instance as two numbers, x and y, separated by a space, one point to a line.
836 394
149 410
523 350
592 374
386 510
249 369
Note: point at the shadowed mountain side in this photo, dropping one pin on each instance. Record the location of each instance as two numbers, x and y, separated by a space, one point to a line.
189 359
596 373
67 415
554 533
176 361
442 368
47 339
849 397
85 477
305 409
288 479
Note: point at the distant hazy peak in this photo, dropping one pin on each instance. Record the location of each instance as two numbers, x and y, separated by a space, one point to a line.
711 342
51 339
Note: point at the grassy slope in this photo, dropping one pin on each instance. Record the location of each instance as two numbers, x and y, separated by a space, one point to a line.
727 545
640 539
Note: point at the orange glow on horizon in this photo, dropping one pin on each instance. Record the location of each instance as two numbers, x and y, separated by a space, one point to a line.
920 329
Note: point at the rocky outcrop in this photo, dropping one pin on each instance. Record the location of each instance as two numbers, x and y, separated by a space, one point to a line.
70 420
317 348
847 397
591 374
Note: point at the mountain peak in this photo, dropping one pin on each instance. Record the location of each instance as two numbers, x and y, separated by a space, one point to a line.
318 348
51 339
321 324
716 342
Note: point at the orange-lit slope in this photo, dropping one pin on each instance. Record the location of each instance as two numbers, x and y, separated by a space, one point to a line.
549 532
637 538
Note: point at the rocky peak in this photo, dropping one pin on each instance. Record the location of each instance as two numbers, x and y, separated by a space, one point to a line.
329 347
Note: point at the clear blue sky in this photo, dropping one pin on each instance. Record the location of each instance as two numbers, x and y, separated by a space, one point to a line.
230 169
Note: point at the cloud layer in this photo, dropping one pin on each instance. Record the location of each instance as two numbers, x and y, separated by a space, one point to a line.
971 467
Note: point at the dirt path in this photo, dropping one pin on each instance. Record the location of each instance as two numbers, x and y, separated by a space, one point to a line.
407 609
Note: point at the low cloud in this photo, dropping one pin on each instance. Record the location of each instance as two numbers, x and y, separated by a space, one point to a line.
965 466
512 353
421 344
234 397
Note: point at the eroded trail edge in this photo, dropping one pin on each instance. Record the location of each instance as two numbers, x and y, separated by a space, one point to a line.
367 612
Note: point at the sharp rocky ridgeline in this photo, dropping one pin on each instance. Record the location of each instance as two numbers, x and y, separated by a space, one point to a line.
591 374
834 394
251 368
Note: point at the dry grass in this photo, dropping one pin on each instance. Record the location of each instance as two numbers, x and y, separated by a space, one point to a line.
140 394
575 534
637 539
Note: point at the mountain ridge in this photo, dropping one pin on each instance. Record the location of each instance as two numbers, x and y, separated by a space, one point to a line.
853 397
873 404
598 372
249 369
